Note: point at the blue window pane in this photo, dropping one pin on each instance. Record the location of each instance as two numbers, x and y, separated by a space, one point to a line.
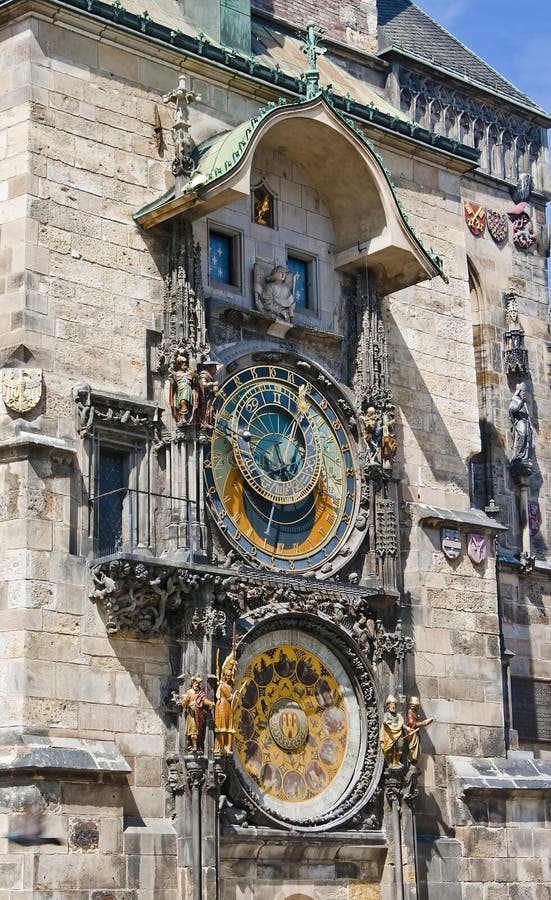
299 268
220 258
112 488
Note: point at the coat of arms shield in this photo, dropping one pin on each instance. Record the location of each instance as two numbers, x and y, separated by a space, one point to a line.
450 542
21 388
524 235
497 225
475 217
534 517
477 548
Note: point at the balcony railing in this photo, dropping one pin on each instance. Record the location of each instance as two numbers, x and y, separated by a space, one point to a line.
129 520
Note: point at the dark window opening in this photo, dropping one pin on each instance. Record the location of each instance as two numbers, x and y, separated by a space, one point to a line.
112 487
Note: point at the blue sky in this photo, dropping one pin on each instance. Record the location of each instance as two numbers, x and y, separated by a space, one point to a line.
512 36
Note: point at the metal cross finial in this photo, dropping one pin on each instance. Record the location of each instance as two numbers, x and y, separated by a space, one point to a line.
313 50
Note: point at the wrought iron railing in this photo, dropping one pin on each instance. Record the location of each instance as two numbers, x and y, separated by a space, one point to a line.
128 520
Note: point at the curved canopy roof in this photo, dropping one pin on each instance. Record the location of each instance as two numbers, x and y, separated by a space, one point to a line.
371 228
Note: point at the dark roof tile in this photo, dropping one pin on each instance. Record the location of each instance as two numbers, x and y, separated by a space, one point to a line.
404 26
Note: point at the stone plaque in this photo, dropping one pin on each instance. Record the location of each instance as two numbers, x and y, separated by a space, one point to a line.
531 708
21 388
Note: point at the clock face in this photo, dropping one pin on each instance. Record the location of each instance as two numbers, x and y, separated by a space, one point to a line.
297 735
279 470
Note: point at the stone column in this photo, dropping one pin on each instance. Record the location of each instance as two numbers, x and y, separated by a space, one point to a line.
195 768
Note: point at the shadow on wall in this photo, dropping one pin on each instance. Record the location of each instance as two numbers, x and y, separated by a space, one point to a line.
429 429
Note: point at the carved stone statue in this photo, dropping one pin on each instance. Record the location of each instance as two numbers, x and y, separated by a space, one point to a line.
208 388
521 428
413 725
223 712
372 433
392 734
196 705
183 394
389 444
275 293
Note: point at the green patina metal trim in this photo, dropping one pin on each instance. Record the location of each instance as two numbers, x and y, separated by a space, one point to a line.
204 48
217 156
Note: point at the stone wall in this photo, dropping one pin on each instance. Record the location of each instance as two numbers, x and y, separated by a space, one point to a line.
353 23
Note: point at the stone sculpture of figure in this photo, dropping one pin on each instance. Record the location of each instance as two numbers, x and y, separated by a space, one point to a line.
389 444
196 705
208 388
184 395
223 712
276 294
371 431
413 725
521 427
392 734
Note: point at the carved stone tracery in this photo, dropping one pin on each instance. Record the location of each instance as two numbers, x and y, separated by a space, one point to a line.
137 597
97 409
509 143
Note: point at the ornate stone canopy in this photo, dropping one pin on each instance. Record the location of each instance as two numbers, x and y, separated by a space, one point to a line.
370 227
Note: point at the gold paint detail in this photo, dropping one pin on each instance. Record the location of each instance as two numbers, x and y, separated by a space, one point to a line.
291 723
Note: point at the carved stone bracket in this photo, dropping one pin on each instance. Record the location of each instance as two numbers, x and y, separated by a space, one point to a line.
137 597
394 782
392 643
116 411
195 773
204 621
174 781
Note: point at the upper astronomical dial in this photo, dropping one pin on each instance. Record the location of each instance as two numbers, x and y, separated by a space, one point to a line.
279 470
275 441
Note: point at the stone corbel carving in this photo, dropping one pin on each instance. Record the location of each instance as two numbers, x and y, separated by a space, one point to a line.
274 290
204 621
174 782
394 644
114 411
135 597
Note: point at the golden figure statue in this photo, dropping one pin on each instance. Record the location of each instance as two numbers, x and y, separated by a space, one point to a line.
223 711
196 705
412 730
392 734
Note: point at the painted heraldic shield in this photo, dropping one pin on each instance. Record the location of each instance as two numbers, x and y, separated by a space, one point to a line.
450 542
497 225
21 388
477 547
475 217
524 235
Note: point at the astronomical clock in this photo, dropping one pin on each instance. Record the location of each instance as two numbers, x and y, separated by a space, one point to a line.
280 471
283 486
